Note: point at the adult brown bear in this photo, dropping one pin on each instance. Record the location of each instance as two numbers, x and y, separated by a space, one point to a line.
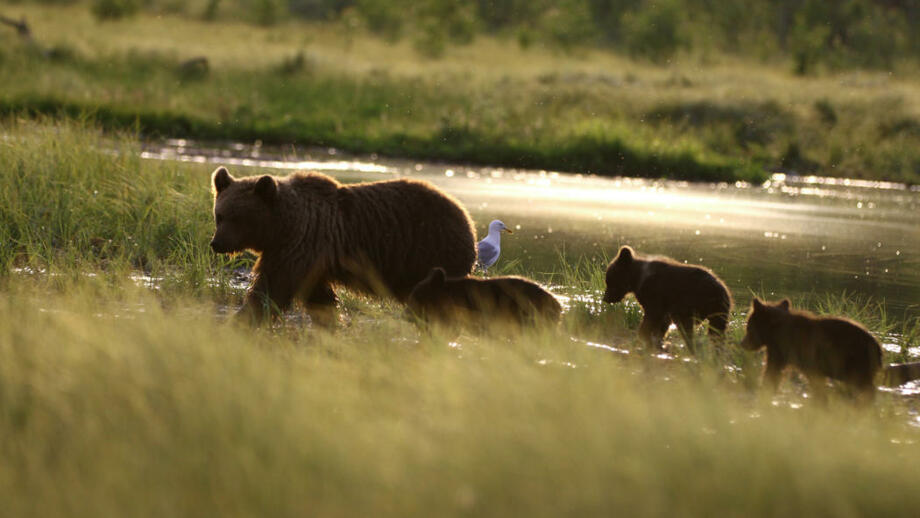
312 233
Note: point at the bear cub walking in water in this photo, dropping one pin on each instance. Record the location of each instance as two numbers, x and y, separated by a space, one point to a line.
819 346
478 303
668 292
313 233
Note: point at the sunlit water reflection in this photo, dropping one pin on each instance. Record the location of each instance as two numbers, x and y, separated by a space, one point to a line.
789 237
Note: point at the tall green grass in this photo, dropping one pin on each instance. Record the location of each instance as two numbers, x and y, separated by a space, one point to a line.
111 405
73 200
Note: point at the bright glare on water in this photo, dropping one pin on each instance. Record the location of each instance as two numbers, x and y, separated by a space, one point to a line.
789 237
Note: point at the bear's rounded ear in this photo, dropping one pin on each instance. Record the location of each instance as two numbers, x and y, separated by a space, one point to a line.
266 188
221 179
625 254
757 303
437 276
784 304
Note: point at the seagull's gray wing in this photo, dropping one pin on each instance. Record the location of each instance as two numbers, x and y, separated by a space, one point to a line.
488 253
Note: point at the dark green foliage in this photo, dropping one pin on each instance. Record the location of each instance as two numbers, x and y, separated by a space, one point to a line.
385 19
900 126
826 112
656 32
114 9
608 16
264 12
319 9
795 160
211 9
749 123
810 34
296 64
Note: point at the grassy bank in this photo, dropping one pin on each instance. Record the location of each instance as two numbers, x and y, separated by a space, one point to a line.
699 118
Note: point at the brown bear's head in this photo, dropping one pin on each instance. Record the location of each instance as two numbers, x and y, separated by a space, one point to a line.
242 211
761 321
618 282
426 295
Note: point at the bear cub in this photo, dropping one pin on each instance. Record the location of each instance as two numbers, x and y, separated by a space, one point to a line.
669 291
475 303
819 346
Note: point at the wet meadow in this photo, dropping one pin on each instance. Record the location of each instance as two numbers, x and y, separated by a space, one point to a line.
128 389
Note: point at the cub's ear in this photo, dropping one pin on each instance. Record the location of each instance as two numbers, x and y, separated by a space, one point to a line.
625 254
266 188
437 277
221 179
784 304
757 303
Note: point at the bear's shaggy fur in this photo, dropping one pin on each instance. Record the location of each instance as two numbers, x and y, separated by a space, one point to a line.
819 346
669 291
475 303
312 233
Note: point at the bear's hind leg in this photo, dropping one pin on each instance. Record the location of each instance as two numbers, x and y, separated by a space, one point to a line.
265 300
320 303
685 326
717 325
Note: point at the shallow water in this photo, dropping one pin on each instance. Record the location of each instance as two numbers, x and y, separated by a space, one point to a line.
789 237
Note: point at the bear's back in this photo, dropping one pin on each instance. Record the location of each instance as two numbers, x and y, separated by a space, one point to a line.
502 297
836 347
682 288
403 228
852 342
529 296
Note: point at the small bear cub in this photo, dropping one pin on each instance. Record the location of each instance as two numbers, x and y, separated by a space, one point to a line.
476 303
819 346
669 291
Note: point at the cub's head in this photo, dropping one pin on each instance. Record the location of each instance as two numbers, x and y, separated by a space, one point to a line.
242 211
427 294
618 281
761 321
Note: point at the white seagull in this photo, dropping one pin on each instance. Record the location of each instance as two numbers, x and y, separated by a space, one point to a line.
490 247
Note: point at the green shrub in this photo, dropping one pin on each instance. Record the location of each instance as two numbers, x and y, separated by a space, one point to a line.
655 32
265 12
113 9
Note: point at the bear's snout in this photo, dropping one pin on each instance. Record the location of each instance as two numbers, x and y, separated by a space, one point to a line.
610 298
219 247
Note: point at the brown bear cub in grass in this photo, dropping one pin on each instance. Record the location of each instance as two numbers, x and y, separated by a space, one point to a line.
312 233
819 346
669 291
475 303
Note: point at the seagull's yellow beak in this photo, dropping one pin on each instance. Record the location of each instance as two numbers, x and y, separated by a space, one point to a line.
508 230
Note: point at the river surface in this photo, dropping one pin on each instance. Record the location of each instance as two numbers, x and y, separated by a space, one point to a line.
791 237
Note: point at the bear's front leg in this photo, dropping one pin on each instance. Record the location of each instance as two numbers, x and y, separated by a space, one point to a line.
268 297
652 330
320 302
773 371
